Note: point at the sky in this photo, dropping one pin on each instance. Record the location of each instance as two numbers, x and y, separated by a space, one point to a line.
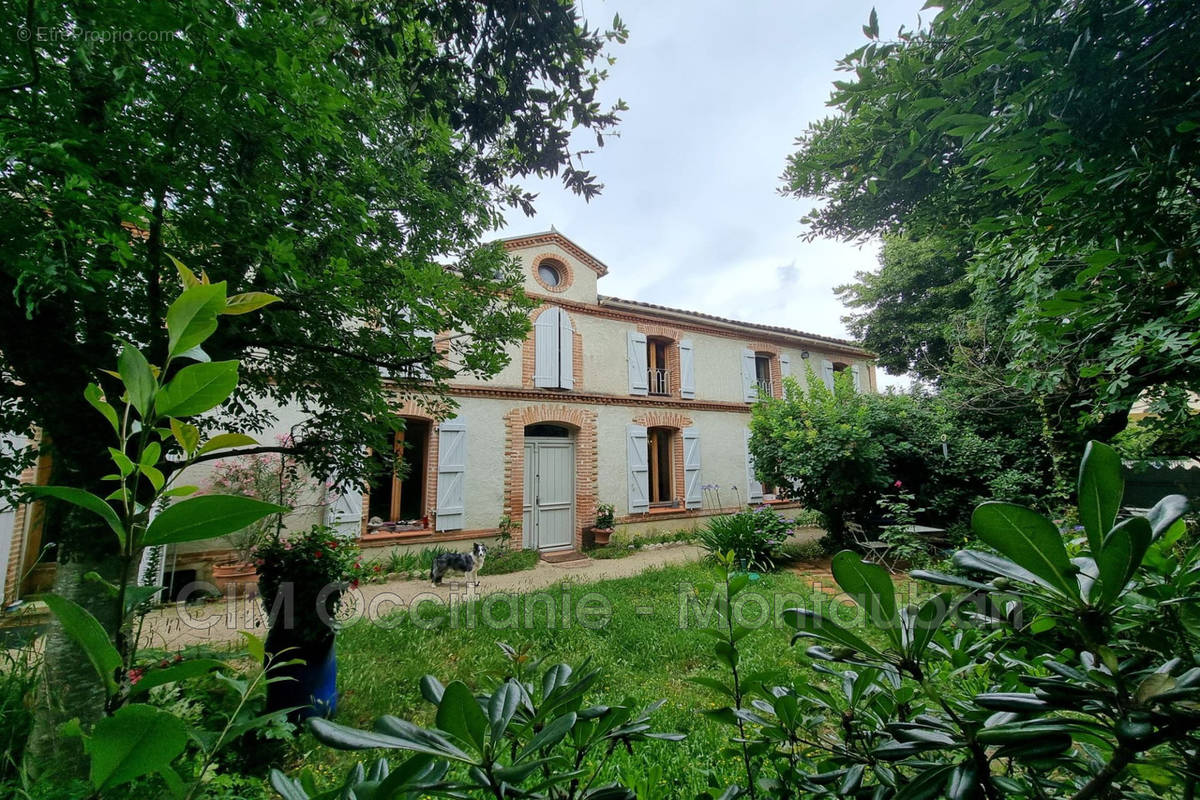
690 215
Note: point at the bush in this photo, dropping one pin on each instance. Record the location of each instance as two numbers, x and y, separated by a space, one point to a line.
754 537
510 561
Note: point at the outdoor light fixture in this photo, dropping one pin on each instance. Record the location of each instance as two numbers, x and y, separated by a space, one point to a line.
804 354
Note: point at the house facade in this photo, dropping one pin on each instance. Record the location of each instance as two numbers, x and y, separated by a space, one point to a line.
607 401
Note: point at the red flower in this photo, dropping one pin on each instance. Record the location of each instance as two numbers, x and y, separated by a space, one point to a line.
135 675
378 567
316 554
333 545
354 583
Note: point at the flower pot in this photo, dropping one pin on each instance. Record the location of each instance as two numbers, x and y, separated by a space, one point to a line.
309 688
601 536
238 579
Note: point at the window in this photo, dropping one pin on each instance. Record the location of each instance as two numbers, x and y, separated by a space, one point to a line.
659 458
762 373
554 350
549 275
397 484
657 375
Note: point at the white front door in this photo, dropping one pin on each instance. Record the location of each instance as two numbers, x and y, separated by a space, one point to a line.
549 518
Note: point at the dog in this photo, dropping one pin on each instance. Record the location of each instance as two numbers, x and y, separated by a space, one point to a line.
468 564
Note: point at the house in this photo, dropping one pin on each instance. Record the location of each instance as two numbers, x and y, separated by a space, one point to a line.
606 401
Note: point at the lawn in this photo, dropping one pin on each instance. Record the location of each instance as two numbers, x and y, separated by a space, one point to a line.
644 652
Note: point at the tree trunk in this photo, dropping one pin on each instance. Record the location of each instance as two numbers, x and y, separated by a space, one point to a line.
71 689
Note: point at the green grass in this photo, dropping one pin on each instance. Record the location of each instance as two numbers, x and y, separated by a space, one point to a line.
510 561
643 651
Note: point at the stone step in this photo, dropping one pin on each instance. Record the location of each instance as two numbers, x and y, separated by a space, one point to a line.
565 557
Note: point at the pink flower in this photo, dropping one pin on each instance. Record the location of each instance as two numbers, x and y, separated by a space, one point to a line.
135 675
897 484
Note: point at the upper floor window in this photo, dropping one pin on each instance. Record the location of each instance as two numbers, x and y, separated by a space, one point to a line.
552 274
762 373
832 368
554 350
658 373
758 373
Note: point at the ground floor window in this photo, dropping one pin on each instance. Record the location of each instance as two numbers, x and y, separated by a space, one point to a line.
660 457
398 477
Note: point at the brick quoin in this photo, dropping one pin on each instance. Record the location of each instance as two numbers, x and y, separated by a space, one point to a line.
583 422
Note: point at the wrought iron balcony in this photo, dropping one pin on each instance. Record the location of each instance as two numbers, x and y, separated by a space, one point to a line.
659 381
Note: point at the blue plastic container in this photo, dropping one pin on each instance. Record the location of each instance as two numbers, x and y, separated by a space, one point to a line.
311 688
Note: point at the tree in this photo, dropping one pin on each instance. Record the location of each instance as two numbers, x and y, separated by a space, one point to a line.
345 157
914 305
1059 138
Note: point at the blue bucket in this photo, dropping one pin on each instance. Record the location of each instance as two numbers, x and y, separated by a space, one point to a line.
310 688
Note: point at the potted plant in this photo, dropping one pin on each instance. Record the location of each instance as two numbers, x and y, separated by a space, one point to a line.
268 477
301 579
602 531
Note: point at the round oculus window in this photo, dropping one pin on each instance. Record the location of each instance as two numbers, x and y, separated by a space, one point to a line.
549 275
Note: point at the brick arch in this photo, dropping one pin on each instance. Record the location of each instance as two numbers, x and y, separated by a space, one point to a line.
663 419
564 267
528 353
583 421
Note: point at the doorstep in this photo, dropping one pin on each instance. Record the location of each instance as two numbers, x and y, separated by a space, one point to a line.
566 558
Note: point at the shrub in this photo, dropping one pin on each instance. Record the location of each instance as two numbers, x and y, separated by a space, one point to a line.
510 561
754 537
1068 668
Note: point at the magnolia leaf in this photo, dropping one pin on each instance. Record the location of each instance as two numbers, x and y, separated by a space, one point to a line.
198 388
138 378
137 740
1030 540
206 517
247 302
187 434
96 399
224 440
192 318
459 714
1100 490
870 586
83 499
186 276
89 634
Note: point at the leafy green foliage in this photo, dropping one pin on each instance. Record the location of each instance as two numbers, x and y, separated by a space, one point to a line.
510 561
1022 133
754 537
529 736
1085 687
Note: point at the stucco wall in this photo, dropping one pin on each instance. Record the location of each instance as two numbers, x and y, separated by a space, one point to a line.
582 284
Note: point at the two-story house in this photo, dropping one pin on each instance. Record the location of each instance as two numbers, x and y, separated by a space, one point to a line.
606 401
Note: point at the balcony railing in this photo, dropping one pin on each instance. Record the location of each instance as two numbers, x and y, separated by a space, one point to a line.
659 381
764 388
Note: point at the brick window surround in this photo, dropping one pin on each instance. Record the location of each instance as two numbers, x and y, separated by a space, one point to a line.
776 371
582 423
673 335
529 352
566 275
411 410
675 422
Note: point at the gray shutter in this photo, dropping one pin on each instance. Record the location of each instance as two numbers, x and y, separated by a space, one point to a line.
693 491
857 378
785 365
566 351
749 377
345 512
639 469
451 475
639 381
754 490
687 370
545 349
827 373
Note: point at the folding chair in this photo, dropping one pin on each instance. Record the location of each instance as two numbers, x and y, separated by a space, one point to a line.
874 550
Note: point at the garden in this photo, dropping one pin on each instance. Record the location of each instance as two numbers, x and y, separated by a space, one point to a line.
275 206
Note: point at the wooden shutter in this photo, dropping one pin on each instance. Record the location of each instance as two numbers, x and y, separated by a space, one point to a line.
785 366
687 370
639 382
754 490
566 351
345 512
749 377
857 378
451 475
693 493
545 349
639 469
827 373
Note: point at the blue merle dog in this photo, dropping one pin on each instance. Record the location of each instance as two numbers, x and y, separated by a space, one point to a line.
468 564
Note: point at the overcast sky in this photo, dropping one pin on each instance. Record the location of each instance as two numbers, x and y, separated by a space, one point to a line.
690 215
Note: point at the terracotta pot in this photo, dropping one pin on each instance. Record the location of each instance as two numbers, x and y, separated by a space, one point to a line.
600 536
238 579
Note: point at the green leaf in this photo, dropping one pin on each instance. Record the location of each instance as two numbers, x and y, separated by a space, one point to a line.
812 625
924 625
96 399
197 388
255 646
154 475
136 595
138 378
206 517
870 586
1165 512
187 434
1120 556
186 276
86 500
89 634
501 707
1030 540
137 740
247 302
1100 490
124 463
224 440
185 670
459 714
549 736
192 318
